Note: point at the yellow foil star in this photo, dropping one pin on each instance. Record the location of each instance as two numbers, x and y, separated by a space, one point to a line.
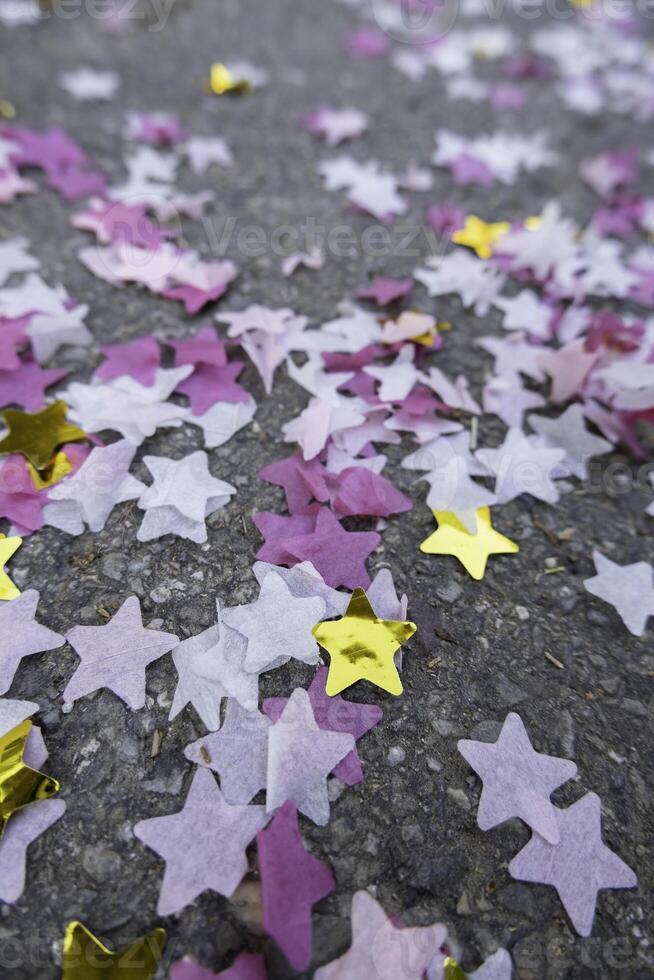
452 970
223 82
39 435
86 958
61 467
480 236
19 785
362 647
472 550
8 547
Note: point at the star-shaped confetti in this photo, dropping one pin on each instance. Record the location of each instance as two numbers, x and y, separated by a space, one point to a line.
629 588
203 844
22 830
518 781
300 757
362 647
26 385
292 881
20 784
277 622
48 332
182 495
115 656
380 948
8 547
578 865
37 437
238 752
89 496
21 636
472 550
569 432
520 466
480 236
86 958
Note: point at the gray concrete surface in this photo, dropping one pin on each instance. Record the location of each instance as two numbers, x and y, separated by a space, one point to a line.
480 650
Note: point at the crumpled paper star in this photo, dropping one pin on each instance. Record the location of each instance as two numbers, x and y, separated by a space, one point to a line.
21 636
472 550
569 432
115 655
238 752
362 647
334 714
86 958
38 436
203 844
518 781
277 622
292 881
8 547
520 466
629 588
382 949
211 667
89 496
300 758
480 236
182 495
578 866
246 966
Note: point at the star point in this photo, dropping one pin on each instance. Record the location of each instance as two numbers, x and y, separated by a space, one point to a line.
8 547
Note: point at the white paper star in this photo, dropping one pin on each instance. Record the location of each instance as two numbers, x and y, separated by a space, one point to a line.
522 467
89 84
629 588
474 280
525 311
48 332
204 151
220 422
569 432
14 257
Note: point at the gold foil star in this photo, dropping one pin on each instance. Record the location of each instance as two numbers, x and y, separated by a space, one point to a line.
19 785
8 547
472 550
61 467
223 82
37 436
480 236
7 110
362 647
86 958
452 970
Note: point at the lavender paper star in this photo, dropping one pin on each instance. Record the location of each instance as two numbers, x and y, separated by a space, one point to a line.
203 845
25 385
629 588
579 865
292 881
518 781
21 636
23 828
116 655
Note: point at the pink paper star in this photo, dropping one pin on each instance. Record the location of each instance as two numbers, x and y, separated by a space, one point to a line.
139 359
467 169
367 42
385 291
20 501
292 881
203 348
208 385
360 491
26 385
302 480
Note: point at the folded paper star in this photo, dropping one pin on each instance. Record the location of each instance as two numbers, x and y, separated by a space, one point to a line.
518 781
115 656
277 623
20 785
480 236
362 647
300 758
334 714
8 547
578 866
472 550
203 845
292 881
86 958
21 636
629 588
381 948
37 437
238 753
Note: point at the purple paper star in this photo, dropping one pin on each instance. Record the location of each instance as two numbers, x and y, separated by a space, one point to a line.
385 291
467 169
360 491
446 218
302 480
335 714
338 555
518 781
51 151
292 881
246 966
116 655
367 42
74 183
203 348
20 501
114 221
195 299
209 384
277 529
26 385
579 865
203 845
139 359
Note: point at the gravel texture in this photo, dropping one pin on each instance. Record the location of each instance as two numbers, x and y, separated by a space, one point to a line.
527 638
